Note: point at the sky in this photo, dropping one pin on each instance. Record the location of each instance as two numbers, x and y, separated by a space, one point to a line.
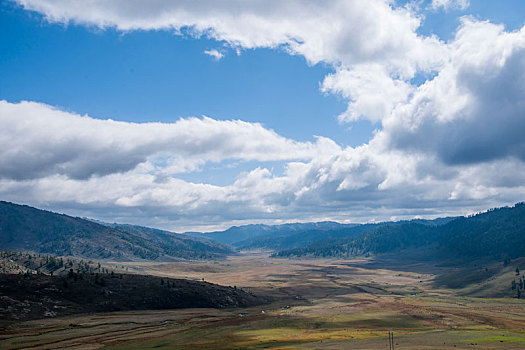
198 115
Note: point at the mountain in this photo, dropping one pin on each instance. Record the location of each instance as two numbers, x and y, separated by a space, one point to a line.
300 238
26 228
381 239
498 233
495 234
242 235
297 235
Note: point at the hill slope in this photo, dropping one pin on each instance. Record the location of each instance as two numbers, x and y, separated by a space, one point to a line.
499 233
27 297
297 235
241 236
27 228
496 234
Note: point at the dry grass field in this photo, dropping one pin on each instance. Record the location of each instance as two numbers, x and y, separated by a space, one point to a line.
320 304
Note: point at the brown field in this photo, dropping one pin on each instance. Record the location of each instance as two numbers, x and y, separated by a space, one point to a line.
328 304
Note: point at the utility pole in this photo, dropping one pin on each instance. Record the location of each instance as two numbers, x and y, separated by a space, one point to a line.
391 340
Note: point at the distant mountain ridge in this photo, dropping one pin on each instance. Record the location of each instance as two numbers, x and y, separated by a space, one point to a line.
237 234
297 235
26 228
496 234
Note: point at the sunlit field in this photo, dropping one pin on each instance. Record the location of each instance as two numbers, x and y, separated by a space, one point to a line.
329 304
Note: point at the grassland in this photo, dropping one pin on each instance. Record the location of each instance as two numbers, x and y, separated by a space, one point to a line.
332 304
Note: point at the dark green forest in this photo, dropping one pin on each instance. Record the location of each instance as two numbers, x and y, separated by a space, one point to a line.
26 228
497 234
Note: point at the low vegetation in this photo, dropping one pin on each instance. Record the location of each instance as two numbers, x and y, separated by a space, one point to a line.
334 304
12 262
30 296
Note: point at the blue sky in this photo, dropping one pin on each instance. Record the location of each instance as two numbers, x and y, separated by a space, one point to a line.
360 92
158 76
445 23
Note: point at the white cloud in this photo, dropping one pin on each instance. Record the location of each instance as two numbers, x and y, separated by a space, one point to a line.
215 54
474 109
342 183
450 4
452 143
372 92
327 30
38 140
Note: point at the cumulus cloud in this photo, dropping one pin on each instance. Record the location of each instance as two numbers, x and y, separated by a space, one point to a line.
453 142
327 30
355 184
474 109
38 140
217 55
369 88
450 4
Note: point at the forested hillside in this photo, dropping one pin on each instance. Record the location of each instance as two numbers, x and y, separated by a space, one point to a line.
497 233
242 236
34 296
298 235
379 240
30 229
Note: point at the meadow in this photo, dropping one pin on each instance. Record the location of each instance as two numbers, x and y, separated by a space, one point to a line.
321 303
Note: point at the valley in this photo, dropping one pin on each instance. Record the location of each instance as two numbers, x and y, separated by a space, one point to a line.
321 303
343 174
450 283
